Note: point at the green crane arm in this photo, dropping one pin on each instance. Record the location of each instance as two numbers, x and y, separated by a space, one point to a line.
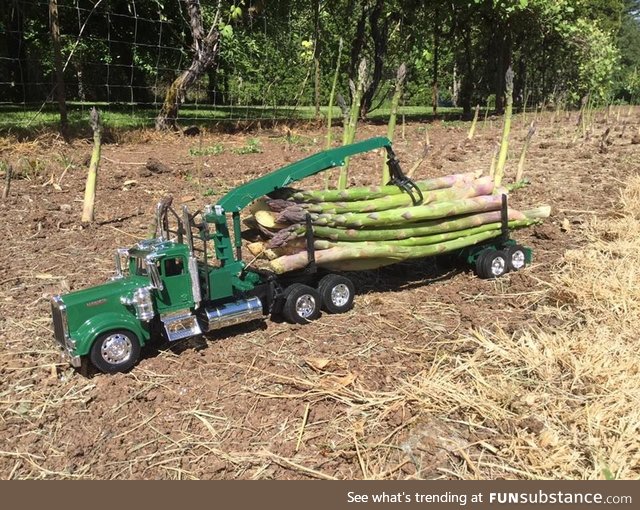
240 197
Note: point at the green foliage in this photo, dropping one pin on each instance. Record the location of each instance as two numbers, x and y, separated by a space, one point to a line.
214 150
628 78
596 58
252 146
292 139
567 47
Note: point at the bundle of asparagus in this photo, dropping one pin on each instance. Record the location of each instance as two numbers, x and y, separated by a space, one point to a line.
370 227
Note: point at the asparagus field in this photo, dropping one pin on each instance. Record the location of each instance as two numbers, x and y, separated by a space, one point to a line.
435 373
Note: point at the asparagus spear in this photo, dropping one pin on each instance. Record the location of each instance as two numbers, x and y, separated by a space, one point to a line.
295 213
371 192
299 244
288 263
409 214
284 236
443 236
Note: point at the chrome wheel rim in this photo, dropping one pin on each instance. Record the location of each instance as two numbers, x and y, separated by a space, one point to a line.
517 259
305 306
116 349
340 295
498 265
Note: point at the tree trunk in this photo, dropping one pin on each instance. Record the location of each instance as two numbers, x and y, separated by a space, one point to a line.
357 44
57 59
168 116
504 63
379 34
500 76
436 63
455 86
81 91
316 53
13 20
206 49
466 83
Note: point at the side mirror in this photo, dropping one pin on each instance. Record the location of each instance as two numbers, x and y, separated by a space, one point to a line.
154 275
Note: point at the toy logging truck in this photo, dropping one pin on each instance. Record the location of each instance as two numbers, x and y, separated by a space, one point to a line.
176 286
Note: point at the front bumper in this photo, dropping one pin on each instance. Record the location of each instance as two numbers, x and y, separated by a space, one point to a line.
61 331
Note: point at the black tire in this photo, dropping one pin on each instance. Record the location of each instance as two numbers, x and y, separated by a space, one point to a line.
516 257
492 264
301 304
479 267
337 293
115 351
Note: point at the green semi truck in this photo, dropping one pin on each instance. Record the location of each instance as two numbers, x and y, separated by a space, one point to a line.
172 286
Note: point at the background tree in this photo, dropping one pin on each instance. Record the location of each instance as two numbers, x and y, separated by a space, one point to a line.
150 54
205 46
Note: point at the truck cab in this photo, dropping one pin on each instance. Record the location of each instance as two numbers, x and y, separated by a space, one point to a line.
160 289
156 285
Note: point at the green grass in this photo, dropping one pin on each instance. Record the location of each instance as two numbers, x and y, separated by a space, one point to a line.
15 119
252 147
213 150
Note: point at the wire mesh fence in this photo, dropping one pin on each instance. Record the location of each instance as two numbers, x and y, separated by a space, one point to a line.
122 55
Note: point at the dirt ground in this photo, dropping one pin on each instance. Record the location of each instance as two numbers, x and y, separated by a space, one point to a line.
269 399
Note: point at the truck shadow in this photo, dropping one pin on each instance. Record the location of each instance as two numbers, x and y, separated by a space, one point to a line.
407 275
201 342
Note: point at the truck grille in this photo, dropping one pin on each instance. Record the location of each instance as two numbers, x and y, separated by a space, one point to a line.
58 322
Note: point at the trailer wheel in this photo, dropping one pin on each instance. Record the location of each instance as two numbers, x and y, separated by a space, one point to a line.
492 264
301 304
516 257
337 293
115 351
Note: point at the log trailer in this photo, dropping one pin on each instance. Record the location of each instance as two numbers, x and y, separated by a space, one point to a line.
175 286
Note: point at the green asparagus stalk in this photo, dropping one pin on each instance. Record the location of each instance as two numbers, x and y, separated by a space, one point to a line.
324 244
523 153
494 158
8 173
504 143
472 129
349 134
288 263
373 192
482 186
415 230
332 95
90 188
409 214
391 126
486 114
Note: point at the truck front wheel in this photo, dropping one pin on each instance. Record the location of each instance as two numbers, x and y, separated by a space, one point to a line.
115 351
301 304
